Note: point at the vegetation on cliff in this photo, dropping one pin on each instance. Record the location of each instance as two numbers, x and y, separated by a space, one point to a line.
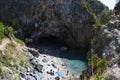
12 56
97 66
100 12
5 31
96 6
104 17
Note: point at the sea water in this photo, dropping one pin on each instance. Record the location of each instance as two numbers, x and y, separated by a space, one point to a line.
75 59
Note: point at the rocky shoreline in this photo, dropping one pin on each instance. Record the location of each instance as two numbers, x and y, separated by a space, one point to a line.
45 67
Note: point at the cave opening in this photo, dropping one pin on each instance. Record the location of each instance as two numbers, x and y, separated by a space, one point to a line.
55 46
75 58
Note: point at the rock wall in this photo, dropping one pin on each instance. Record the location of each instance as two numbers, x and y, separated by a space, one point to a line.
107 44
69 20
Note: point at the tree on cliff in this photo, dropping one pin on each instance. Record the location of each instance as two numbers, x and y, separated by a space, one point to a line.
97 64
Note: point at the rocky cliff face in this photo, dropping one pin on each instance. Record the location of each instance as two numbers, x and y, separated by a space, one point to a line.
69 20
96 6
107 44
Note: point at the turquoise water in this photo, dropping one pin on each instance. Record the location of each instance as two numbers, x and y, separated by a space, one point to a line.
75 66
75 59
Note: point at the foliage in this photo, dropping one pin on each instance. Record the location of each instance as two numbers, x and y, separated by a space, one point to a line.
97 77
27 40
96 67
4 59
18 58
97 24
10 30
97 64
1 70
5 30
12 44
83 75
100 12
86 5
22 62
101 65
2 27
96 6
17 40
105 16
12 56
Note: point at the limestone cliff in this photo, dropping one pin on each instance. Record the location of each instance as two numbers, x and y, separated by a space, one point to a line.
69 20
107 44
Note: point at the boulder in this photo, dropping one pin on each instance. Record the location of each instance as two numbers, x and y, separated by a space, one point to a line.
39 67
34 52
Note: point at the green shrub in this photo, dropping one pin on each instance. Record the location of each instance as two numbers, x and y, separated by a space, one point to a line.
8 31
4 59
5 30
105 16
17 40
1 70
11 44
22 62
97 64
97 77
27 40
97 24
2 27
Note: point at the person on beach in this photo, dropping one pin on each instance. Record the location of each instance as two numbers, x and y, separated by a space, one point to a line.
57 78
67 72
51 72
58 69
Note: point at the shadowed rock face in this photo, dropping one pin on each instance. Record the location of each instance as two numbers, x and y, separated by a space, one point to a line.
69 20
